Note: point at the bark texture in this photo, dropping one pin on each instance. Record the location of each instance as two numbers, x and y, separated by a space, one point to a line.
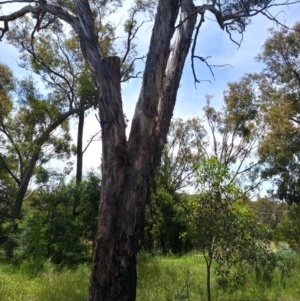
128 166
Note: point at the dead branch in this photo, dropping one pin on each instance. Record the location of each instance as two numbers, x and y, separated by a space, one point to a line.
91 139
37 10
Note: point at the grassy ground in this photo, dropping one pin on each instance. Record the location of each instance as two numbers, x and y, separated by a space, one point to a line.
160 279
183 278
51 285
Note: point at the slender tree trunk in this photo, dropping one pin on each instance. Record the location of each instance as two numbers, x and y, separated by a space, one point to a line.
79 162
208 288
79 151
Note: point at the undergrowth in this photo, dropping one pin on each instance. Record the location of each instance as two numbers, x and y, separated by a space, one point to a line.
160 278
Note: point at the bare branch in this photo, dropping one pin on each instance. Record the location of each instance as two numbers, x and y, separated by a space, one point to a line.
125 75
132 32
37 10
18 1
91 139
58 121
194 47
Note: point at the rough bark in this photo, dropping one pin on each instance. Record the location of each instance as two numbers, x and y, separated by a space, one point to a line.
128 167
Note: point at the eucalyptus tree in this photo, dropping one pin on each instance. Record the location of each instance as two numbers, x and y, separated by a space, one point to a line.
280 92
234 133
33 131
230 134
185 145
129 163
165 214
289 226
7 185
269 211
55 58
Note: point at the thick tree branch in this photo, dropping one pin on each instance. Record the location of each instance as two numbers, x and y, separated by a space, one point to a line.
7 168
62 117
6 132
143 123
174 69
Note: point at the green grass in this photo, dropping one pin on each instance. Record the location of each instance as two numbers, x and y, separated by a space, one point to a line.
51 285
161 278
170 278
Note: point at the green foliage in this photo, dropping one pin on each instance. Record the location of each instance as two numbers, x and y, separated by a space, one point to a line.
57 225
185 146
166 228
6 87
281 57
170 278
270 212
234 133
27 138
225 230
241 111
289 226
280 90
287 263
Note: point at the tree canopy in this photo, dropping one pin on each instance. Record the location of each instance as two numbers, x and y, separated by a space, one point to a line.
280 89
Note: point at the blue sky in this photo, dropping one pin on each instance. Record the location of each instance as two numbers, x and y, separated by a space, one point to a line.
215 43
212 42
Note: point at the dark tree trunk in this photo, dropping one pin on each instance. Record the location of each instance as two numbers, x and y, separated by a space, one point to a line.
79 158
24 183
79 150
114 264
128 165
208 274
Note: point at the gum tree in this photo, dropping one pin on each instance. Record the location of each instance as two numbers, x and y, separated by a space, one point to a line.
55 57
33 130
128 163
280 90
